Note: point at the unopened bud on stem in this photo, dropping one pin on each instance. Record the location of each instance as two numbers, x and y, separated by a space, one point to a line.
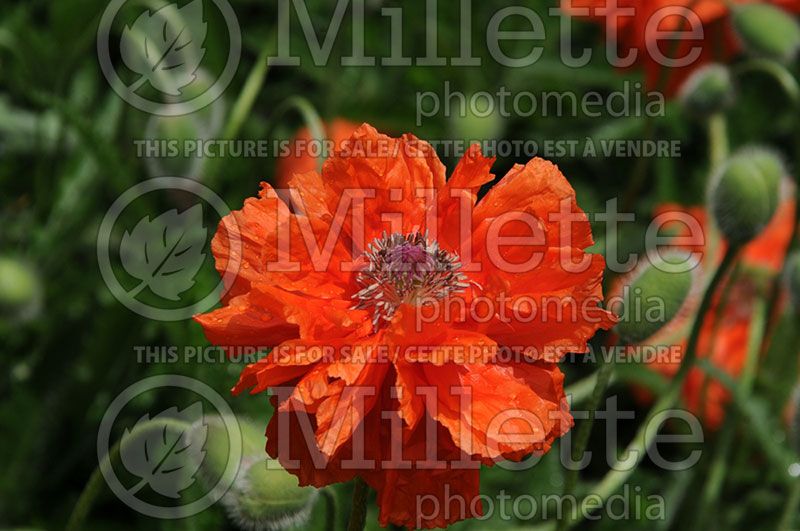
707 91
767 31
744 193
655 295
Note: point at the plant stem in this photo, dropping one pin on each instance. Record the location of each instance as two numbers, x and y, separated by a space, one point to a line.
644 436
716 476
582 440
758 426
640 170
777 71
247 97
775 287
310 116
243 105
358 513
717 471
582 390
717 140
792 506
96 480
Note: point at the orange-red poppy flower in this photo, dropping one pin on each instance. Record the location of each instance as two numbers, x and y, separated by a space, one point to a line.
396 320
726 328
638 25
300 158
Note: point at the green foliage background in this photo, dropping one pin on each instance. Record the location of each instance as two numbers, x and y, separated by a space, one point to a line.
67 152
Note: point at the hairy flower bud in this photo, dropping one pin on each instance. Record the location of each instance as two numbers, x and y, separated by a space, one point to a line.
708 90
263 495
655 295
744 193
767 31
773 169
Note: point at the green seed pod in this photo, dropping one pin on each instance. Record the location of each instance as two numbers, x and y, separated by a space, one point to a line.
744 194
20 290
767 31
263 495
655 296
707 91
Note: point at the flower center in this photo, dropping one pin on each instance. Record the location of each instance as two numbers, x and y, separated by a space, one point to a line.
405 269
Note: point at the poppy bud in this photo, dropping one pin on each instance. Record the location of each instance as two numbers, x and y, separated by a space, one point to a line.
656 294
178 139
744 193
263 495
478 119
707 91
772 167
20 292
767 31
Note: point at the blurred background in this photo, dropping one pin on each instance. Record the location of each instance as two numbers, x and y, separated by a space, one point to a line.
70 146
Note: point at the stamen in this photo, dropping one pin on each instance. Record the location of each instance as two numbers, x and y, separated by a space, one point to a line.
405 269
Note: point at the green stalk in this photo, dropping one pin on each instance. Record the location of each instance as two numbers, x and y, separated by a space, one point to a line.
582 440
718 151
777 454
640 170
792 506
791 89
775 283
718 148
777 71
582 390
243 105
358 513
95 484
719 468
247 97
614 479
310 116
